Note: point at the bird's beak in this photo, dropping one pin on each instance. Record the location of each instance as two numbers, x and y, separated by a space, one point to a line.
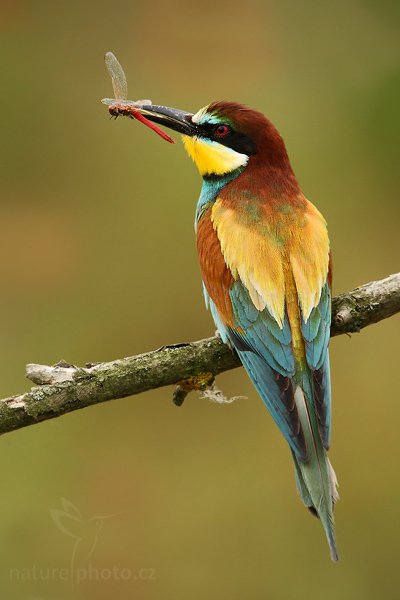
178 120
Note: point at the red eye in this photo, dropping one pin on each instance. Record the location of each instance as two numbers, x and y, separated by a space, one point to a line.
221 130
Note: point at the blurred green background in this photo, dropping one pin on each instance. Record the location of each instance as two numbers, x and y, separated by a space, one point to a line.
97 261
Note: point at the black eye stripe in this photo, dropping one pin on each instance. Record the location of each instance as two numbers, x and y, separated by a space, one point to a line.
233 139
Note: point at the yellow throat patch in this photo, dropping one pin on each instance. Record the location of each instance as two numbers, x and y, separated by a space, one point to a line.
213 158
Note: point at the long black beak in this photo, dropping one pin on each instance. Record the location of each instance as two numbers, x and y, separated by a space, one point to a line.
178 120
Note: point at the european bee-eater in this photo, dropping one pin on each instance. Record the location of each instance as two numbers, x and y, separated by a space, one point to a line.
265 261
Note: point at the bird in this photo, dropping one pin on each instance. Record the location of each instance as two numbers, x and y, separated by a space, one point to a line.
266 266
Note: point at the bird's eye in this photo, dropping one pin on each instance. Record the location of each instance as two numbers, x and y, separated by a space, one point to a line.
221 130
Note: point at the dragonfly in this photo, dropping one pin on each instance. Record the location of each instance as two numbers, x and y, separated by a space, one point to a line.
120 105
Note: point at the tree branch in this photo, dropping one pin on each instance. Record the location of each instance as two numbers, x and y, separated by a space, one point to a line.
64 388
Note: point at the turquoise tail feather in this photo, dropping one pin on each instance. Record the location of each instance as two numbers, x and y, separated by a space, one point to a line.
315 478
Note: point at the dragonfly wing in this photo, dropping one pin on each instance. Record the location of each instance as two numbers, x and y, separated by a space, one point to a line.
119 83
127 103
